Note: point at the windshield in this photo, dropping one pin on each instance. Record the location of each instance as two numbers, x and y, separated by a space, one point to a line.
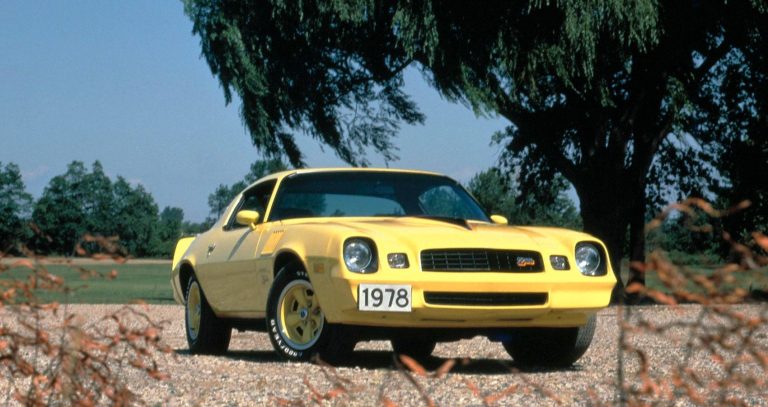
345 194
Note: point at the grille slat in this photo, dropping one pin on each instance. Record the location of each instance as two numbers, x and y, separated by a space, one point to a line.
481 260
485 299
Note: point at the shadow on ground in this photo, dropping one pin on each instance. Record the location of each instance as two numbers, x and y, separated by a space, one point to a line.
372 359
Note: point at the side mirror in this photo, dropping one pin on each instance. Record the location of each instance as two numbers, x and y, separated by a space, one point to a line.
499 220
247 218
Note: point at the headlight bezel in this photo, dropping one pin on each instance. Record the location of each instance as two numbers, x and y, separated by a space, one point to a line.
593 250
369 266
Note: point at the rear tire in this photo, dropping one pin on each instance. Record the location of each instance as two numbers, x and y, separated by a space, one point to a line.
206 333
550 347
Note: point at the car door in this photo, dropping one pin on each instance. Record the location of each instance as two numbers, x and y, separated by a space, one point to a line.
232 275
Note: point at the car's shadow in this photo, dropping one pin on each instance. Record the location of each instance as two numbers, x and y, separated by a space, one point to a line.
373 359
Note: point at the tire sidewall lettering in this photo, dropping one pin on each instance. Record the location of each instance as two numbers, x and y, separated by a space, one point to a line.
278 342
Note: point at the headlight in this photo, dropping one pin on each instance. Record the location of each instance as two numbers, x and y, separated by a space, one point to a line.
588 259
360 255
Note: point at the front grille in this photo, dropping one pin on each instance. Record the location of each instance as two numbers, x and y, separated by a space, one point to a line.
524 261
485 299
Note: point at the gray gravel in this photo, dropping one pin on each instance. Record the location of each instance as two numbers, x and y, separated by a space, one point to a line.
251 374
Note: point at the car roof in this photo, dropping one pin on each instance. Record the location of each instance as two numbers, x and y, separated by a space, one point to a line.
283 174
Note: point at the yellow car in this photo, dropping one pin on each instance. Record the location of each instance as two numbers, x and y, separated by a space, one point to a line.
323 258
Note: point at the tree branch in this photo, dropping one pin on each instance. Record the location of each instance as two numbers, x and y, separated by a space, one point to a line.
710 61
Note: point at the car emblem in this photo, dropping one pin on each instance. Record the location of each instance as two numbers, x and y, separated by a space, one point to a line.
525 262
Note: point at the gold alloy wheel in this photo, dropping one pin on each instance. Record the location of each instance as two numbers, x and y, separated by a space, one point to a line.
299 318
194 310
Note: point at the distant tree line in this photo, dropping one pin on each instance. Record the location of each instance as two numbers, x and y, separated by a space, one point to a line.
83 202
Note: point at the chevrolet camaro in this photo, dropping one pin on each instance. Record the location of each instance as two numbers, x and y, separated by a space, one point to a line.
321 259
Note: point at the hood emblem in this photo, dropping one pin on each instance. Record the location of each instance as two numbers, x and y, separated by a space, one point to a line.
525 262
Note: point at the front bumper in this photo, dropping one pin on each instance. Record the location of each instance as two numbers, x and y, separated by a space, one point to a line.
571 298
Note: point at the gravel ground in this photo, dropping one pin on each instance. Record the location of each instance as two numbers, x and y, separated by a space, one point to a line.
251 374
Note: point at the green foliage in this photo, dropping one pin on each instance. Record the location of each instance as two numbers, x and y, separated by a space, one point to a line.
59 213
135 216
331 70
744 125
689 239
189 228
169 229
500 195
15 206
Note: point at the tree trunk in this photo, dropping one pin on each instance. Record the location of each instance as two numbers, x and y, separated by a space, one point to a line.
604 211
637 241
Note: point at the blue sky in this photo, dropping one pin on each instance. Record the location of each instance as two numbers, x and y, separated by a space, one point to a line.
122 82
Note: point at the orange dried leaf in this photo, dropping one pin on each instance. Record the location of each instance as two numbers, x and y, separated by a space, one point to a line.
472 387
413 365
492 399
23 263
335 392
445 368
638 266
662 298
151 333
653 224
157 375
386 402
761 240
635 288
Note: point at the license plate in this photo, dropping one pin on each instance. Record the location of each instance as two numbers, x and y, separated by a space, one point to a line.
384 297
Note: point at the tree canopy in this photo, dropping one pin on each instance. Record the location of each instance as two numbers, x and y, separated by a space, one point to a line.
15 206
81 202
620 98
298 68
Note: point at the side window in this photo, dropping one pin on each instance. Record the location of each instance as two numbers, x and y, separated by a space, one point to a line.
254 199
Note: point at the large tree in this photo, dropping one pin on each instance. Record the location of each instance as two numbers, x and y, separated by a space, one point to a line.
59 214
15 208
592 90
135 216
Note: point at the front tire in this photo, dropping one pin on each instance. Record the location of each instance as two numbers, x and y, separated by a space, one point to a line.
550 347
296 324
206 333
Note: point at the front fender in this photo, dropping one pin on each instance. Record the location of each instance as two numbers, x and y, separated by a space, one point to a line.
178 254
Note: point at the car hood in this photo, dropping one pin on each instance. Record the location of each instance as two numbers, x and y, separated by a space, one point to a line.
423 233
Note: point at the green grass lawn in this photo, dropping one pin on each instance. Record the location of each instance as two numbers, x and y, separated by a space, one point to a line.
146 282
